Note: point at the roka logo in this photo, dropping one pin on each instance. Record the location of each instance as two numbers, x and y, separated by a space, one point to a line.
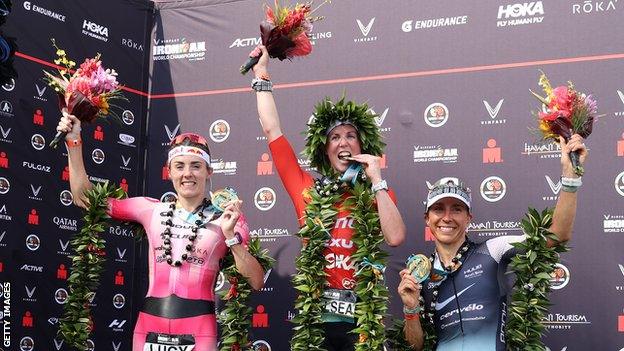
493 112
365 29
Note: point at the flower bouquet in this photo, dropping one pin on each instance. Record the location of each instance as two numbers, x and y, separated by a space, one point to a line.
87 93
285 32
565 112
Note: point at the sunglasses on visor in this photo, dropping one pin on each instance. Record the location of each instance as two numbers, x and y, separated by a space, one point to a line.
195 138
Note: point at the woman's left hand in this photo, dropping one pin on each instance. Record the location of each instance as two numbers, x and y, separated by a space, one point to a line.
371 164
230 216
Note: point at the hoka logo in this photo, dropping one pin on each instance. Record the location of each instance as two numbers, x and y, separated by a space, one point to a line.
95 28
521 10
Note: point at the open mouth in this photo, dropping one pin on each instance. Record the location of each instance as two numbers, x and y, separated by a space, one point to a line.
344 155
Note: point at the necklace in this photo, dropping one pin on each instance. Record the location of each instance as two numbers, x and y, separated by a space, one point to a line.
456 262
166 234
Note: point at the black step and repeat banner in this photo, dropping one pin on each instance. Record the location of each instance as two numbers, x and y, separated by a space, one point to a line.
450 82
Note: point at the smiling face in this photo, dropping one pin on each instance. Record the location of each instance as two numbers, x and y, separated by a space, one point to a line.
342 141
448 219
189 175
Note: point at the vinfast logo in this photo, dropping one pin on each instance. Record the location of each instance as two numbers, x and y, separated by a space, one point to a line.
95 30
2 239
30 293
126 140
125 162
6 109
120 255
620 287
365 29
58 344
493 112
40 92
245 42
171 133
29 6
63 245
380 118
4 135
554 187
565 348
592 7
179 48
35 192
9 86
520 14
116 346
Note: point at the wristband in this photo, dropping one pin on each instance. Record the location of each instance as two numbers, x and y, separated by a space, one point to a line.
571 182
410 317
569 189
382 185
73 143
412 311
259 84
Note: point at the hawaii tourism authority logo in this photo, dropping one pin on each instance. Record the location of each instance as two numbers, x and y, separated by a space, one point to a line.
493 189
264 199
436 115
219 131
619 184
559 277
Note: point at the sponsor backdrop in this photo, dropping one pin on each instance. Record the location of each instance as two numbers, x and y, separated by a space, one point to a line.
450 85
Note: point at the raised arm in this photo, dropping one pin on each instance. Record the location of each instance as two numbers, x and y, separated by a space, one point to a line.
565 210
269 119
409 291
78 180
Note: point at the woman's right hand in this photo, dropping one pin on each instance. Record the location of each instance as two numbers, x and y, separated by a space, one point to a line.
69 124
262 67
409 289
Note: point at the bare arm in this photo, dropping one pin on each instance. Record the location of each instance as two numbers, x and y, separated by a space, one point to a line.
565 210
409 291
78 180
267 111
247 265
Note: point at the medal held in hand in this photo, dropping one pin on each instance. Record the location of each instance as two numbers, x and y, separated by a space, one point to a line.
419 267
221 197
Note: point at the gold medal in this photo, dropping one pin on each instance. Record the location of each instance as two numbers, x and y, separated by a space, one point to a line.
419 266
221 197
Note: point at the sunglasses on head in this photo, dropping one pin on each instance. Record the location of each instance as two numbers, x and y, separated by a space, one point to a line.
195 138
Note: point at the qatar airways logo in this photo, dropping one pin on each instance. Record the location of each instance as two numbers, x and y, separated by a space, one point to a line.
66 223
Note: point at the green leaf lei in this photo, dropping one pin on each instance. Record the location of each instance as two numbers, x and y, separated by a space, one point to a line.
87 266
532 268
235 318
321 212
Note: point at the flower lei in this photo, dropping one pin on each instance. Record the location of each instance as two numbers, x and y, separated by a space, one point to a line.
87 266
530 291
235 318
529 303
321 211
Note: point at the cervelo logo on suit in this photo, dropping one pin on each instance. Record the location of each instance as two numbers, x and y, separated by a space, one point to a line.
493 112
30 6
365 28
94 30
520 14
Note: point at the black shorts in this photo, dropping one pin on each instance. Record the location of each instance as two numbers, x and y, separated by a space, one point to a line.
338 336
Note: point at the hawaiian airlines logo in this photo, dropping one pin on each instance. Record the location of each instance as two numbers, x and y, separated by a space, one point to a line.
40 92
66 198
4 135
27 344
119 301
493 189
6 109
127 117
37 141
171 133
60 296
365 30
559 277
32 242
264 199
261 345
97 155
95 30
219 131
436 115
619 184
5 186
9 86
520 14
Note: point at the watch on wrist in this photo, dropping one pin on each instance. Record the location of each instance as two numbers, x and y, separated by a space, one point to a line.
381 185
235 240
